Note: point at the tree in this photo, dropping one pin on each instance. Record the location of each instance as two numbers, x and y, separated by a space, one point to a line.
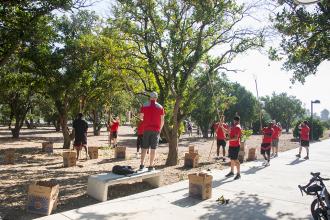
305 37
246 105
325 115
284 109
173 38
209 100
19 18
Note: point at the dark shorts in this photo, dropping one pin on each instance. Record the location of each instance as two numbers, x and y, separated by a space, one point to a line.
265 148
233 152
304 143
221 143
150 139
275 143
78 145
139 140
114 134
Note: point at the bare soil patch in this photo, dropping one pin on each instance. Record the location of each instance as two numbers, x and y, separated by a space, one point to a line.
32 164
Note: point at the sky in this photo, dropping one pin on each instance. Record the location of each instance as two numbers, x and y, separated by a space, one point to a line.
270 77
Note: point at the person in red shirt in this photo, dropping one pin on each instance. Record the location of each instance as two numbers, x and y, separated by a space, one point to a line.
114 126
152 114
234 146
266 143
304 139
275 137
221 129
140 136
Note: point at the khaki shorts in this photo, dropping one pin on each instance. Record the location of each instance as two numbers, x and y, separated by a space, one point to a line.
275 143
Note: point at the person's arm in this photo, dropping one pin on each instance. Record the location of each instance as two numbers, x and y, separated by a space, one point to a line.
162 121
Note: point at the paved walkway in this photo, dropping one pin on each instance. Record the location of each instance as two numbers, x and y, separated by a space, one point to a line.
261 193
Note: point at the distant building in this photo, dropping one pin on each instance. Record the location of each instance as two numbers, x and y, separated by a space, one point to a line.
324 115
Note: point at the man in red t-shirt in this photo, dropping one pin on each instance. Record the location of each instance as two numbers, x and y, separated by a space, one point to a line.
152 114
234 146
114 126
275 137
221 129
304 139
266 143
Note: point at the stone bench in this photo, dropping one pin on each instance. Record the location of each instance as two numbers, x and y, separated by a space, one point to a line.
98 184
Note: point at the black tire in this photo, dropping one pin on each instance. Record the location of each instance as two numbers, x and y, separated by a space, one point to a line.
317 211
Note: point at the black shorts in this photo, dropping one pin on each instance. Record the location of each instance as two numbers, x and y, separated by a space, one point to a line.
221 143
304 143
139 140
265 148
114 134
233 152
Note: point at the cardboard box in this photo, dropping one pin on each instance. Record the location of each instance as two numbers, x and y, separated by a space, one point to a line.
69 158
42 197
191 160
47 147
120 152
9 156
200 185
252 154
242 146
93 152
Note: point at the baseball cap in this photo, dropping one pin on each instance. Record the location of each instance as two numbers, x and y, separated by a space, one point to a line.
154 95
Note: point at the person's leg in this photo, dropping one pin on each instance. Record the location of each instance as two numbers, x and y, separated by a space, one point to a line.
232 163
307 153
138 143
224 148
299 154
86 151
145 146
238 167
268 155
152 157
218 148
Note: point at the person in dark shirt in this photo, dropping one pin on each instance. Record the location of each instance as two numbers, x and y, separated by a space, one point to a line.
80 128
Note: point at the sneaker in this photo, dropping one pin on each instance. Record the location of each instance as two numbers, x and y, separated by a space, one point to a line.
298 155
224 159
272 155
276 155
238 176
230 174
264 163
306 158
151 168
141 167
267 164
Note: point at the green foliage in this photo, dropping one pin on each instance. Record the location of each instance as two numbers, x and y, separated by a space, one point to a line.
246 134
283 108
264 120
246 105
305 37
317 129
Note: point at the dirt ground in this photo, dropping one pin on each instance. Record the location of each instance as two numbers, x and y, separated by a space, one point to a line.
33 165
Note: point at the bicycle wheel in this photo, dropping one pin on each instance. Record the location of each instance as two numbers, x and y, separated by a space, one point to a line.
317 211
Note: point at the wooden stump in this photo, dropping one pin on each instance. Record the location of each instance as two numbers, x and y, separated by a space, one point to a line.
252 154
93 152
69 158
200 185
191 160
120 152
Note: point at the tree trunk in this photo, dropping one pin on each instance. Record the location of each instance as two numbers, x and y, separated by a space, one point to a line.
18 125
65 131
96 123
172 158
57 124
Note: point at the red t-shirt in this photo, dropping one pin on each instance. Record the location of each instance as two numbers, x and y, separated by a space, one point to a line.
304 133
140 128
220 133
152 112
268 132
277 131
114 126
235 130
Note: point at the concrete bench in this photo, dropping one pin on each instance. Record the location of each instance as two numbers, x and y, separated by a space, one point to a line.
98 184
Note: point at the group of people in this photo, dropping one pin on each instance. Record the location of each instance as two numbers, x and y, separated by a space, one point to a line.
151 122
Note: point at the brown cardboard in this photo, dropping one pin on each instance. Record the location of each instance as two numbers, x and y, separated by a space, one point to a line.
191 148
191 160
69 158
47 147
120 152
9 156
93 152
200 185
42 197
